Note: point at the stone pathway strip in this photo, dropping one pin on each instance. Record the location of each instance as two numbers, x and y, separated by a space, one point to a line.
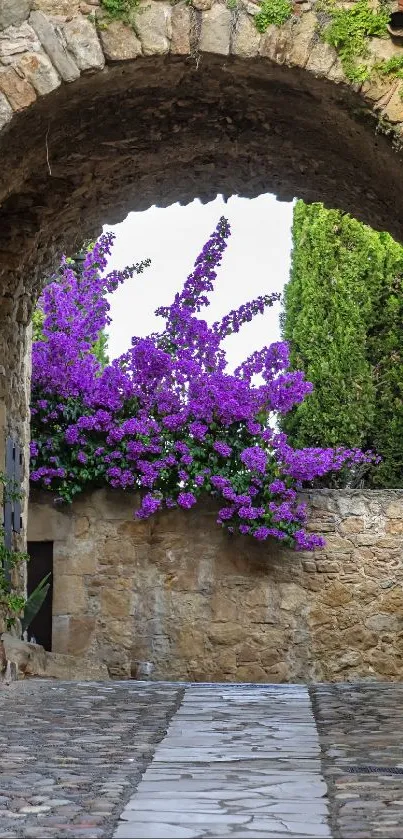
237 761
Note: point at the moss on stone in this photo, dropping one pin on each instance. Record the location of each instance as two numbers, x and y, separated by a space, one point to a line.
348 32
122 10
273 13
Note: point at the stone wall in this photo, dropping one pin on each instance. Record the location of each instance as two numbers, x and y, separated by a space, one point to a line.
15 380
96 121
197 604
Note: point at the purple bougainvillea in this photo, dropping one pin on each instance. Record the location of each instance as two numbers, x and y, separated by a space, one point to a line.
168 418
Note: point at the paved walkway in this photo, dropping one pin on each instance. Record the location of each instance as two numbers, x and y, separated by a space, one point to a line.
235 762
131 760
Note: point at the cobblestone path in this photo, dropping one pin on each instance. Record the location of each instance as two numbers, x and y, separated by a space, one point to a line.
361 728
130 760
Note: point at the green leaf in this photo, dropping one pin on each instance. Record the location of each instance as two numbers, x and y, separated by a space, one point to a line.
34 603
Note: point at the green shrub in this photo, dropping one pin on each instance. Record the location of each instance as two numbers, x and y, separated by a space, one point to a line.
343 318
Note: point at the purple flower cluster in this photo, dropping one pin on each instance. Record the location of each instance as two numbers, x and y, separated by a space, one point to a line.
167 418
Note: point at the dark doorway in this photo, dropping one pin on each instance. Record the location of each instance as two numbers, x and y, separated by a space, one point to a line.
40 564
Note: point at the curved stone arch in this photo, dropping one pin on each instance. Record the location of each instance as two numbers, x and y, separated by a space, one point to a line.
97 120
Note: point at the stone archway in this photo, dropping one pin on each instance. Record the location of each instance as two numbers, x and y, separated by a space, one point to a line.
98 121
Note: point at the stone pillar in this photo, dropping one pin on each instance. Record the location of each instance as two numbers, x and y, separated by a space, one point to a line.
15 382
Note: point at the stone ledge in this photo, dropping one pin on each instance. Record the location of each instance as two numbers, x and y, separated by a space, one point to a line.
22 660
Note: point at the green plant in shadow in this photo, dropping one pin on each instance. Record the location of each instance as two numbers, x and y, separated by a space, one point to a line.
122 10
34 603
348 31
11 602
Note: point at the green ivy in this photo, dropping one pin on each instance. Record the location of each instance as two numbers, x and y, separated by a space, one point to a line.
348 32
393 67
273 13
119 10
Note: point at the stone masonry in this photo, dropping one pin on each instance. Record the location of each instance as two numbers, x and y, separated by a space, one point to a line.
98 119
196 604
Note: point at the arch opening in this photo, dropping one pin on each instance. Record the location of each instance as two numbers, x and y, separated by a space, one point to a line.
143 134
167 129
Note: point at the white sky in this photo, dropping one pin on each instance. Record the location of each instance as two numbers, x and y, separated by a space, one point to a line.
256 261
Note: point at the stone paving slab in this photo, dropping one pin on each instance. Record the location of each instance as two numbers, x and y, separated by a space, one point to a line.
226 777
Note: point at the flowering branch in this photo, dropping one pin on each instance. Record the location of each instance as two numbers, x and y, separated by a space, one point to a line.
167 418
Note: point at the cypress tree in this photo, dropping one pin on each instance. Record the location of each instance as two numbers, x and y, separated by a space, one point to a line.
343 308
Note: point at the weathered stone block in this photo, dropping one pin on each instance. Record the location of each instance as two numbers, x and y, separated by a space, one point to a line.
81 526
351 506
394 510
15 41
224 663
119 42
60 633
293 597
69 595
357 636
39 71
29 658
153 25
54 47
320 616
336 594
303 36
270 658
268 42
279 673
227 633
72 668
352 524
18 91
384 664
117 633
215 30
81 633
115 604
327 566
223 609
380 622
246 652
13 12
82 42
58 8
251 673
394 526
351 658
392 601
246 38
6 111
181 24
321 59
47 524
74 562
